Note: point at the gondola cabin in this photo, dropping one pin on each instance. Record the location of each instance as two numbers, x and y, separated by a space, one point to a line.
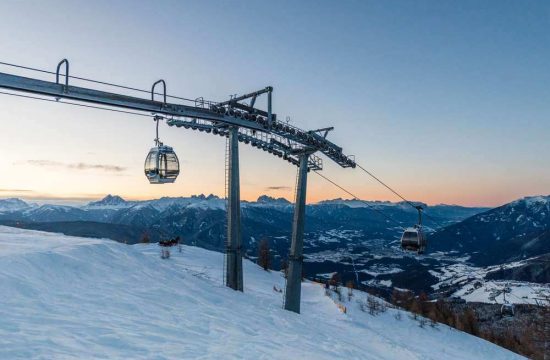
162 165
507 310
413 239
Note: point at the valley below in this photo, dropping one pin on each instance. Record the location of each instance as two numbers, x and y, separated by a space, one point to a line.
342 236
478 259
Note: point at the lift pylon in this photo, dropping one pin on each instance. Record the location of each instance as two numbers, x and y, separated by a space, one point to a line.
296 257
234 270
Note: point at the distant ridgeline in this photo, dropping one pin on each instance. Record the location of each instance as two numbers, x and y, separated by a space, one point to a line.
514 231
197 218
337 232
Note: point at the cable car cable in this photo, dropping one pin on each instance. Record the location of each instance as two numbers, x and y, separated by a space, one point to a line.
99 82
415 243
396 193
383 183
356 198
74 104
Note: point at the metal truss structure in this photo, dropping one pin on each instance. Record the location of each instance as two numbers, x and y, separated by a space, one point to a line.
235 119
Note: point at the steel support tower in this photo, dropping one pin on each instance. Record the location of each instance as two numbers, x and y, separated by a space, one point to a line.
296 257
234 270
240 122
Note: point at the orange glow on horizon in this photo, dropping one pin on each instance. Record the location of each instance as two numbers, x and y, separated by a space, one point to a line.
316 193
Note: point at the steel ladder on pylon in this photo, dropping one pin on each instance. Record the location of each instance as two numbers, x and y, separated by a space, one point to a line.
295 200
226 185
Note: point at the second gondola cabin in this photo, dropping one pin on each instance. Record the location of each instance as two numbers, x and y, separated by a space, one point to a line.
413 239
507 310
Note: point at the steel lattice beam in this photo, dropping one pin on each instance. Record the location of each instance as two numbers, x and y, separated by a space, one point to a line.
215 113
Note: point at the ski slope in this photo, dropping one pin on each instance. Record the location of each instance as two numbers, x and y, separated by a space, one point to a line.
66 297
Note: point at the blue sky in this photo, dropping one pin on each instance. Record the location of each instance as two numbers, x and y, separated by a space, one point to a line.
445 100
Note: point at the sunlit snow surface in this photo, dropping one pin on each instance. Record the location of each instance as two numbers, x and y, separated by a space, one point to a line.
67 297
473 287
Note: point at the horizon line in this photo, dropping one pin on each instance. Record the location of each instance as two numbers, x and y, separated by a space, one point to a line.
97 197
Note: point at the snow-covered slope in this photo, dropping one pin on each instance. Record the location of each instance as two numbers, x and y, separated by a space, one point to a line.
482 284
68 297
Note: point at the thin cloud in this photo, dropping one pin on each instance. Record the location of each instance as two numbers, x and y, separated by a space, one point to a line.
78 166
68 199
77 197
105 167
16 190
275 188
44 163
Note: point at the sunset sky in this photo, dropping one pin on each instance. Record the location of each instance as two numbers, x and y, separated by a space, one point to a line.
447 101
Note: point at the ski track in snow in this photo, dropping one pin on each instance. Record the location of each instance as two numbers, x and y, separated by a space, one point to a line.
66 297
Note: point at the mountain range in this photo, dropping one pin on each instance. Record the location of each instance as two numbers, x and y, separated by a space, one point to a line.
511 232
345 236
201 219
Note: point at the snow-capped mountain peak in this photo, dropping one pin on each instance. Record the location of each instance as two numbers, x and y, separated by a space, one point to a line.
358 203
12 204
109 200
540 201
265 199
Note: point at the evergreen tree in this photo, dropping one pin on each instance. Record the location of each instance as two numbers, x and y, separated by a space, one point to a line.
264 259
145 238
349 285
